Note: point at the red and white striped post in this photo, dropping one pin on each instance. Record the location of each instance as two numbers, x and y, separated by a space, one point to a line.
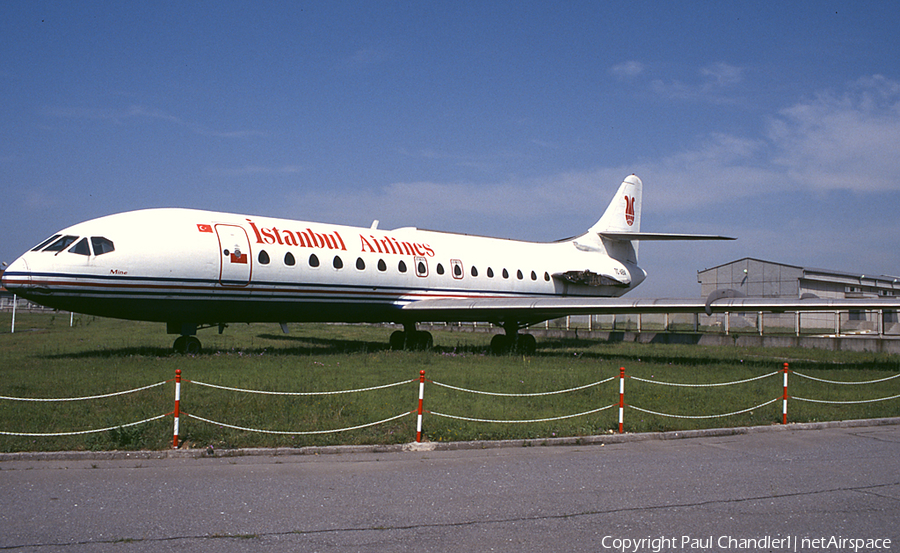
421 401
177 406
621 399
784 407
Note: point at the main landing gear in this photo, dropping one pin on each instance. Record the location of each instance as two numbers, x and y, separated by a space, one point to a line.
504 344
513 342
411 339
501 344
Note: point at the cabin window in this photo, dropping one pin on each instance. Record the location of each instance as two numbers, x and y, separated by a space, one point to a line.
289 259
457 268
490 273
440 269
546 276
61 244
263 257
360 264
401 266
382 266
102 245
313 260
505 273
533 275
421 267
81 248
519 274
45 242
338 263
474 271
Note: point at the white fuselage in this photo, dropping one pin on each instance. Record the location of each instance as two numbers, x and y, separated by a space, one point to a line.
189 266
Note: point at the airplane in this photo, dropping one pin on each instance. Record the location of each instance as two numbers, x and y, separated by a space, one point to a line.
194 269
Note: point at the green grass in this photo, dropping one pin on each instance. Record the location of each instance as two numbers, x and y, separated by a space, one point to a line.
46 358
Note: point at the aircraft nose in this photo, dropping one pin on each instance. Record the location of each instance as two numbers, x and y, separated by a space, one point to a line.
17 275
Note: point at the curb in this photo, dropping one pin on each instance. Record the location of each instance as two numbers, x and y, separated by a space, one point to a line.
414 447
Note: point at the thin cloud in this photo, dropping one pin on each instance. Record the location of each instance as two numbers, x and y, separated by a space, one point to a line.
120 116
248 170
842 141
720 75
627 70
481 162
368 57
713 84
540 208
834 141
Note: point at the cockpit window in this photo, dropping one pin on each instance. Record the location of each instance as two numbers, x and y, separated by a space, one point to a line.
45 242
102 245
81 248
61 244
58 243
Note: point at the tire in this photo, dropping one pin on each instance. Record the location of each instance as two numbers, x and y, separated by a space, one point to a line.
187 345
422 341
526 344
192 346
500 344
398 340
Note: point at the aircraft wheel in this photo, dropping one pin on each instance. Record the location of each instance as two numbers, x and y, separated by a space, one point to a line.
192 346
526 344
503 344
189 345
421 340
500 344
415 340
398 340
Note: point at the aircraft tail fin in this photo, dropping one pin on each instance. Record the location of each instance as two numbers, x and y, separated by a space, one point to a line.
623 215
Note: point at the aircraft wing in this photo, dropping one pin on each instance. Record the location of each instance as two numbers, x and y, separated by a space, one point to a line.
543 308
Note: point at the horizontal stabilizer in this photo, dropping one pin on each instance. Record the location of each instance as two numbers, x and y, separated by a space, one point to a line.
627 236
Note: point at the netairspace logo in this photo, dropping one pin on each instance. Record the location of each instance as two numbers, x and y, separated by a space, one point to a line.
778 542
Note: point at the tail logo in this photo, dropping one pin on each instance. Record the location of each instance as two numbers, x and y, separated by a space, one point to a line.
629 210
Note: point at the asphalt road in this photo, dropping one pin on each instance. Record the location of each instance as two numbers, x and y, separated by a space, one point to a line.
769 491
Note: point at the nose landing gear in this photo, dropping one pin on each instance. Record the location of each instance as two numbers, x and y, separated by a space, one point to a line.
188 345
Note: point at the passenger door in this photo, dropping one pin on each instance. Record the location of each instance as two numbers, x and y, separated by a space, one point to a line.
236 262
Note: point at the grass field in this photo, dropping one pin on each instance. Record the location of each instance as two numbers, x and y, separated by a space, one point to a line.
46 358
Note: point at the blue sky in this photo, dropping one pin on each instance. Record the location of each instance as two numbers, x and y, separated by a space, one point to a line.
775 122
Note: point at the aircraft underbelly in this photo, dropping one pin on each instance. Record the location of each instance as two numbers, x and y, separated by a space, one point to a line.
223 310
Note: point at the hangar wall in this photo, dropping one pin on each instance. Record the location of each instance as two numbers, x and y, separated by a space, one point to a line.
757 277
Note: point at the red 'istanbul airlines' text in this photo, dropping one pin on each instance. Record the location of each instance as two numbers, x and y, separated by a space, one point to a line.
303 238
389 244
334 241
